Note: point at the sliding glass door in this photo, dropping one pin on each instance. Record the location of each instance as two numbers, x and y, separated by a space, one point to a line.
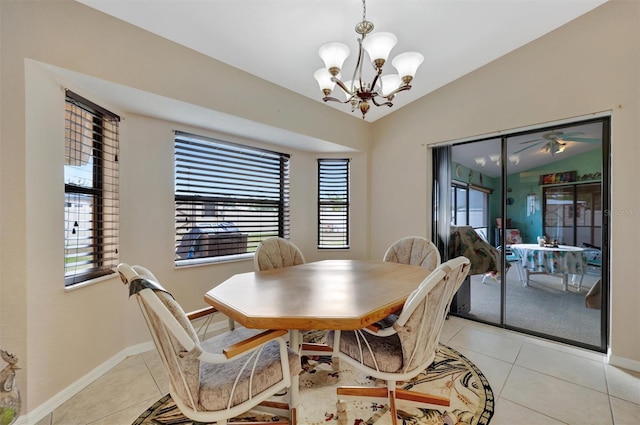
535 201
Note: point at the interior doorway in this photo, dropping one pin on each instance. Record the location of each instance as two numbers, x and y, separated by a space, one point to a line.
538 231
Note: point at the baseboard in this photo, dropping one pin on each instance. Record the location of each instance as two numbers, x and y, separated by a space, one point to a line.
623 362
57 400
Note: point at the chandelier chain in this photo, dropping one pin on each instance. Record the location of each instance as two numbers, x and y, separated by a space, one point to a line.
364 11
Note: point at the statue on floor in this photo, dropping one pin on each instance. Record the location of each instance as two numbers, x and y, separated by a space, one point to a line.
9 395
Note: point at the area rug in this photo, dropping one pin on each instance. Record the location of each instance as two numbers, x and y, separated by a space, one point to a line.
451 374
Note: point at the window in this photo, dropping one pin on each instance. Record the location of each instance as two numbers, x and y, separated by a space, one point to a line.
90 190
470 207
333 203
228 198
573 214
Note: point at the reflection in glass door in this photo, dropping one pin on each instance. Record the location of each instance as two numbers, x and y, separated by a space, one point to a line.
548 184
573 214
475 204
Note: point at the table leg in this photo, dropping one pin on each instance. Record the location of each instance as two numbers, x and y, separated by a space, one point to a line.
521 273
574 278
295 340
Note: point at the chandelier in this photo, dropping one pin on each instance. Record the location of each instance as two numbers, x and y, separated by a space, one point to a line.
382 88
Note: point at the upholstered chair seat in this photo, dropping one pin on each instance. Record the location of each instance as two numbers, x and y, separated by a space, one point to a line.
217 379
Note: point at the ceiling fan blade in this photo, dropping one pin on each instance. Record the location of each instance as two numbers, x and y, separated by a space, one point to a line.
531 141
566 136
581 139
528 147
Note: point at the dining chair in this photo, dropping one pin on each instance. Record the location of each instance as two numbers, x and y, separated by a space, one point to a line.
414 250
214 379
406 349
275 252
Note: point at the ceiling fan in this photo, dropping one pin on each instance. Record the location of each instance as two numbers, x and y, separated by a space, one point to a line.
555 141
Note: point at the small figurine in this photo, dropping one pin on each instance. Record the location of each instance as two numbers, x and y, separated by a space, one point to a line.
9 395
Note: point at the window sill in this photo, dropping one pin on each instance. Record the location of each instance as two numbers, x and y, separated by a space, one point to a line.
91 282
179 264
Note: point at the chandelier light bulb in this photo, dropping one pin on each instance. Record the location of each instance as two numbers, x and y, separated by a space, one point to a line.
334 55
481 161
378 46
323 77
407 65
390 82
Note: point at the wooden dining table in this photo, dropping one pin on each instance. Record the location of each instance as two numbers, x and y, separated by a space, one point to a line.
323 295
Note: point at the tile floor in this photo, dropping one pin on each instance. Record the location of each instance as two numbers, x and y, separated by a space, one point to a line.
534 382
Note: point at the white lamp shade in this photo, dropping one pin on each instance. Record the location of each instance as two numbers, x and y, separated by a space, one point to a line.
379 45
323 77
407 63
334 54
390 82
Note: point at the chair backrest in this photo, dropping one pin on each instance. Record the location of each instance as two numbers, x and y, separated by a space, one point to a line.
275 253
414 250
422 317
173 335
512 236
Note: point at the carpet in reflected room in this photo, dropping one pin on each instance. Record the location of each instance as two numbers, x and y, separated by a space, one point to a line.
451 374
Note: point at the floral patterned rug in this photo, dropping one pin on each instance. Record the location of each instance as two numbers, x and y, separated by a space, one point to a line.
451 374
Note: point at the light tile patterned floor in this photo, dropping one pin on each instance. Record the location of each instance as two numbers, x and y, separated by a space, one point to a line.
534 382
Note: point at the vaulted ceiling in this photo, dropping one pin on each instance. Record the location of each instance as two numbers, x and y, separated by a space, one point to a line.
278 40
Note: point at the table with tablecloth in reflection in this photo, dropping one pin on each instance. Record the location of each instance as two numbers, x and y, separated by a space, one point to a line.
561 260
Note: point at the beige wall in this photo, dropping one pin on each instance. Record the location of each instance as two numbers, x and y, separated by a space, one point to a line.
63 336
589 65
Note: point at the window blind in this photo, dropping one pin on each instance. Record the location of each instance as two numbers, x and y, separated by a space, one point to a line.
228 197
91 183
333 203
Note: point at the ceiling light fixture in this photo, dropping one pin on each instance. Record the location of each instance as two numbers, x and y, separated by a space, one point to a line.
481 161
555 146
383 88
514 159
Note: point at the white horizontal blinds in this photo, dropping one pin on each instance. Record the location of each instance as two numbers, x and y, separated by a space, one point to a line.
333 203
91 190
228 197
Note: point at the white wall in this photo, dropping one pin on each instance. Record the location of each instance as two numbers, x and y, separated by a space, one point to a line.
587 66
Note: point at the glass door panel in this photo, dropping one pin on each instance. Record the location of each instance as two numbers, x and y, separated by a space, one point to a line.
551 192
476 193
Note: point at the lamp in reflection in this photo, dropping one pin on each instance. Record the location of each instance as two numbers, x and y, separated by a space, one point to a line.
481 161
